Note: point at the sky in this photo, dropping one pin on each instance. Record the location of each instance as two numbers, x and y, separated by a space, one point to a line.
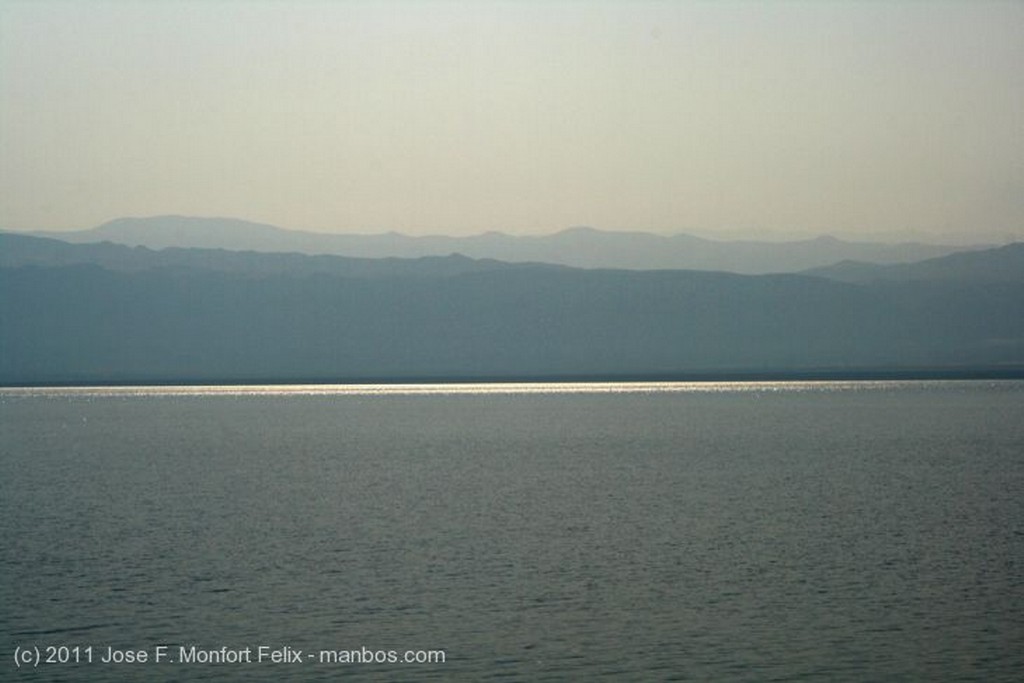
881 120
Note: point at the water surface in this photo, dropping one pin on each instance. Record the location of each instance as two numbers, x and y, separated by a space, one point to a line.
709 531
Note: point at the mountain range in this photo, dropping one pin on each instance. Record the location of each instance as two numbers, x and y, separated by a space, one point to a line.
579 247
1004 264
18 250
87 313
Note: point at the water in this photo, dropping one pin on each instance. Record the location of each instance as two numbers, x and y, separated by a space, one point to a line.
746 532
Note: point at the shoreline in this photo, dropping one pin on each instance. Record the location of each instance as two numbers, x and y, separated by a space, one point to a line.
738 376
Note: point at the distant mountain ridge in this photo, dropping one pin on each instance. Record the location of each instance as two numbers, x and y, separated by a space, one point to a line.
91 313
18 250
578 247
1001 264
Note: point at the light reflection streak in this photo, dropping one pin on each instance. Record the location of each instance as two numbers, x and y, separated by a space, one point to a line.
467 389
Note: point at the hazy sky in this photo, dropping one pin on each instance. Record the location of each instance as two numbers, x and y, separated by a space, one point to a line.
718 118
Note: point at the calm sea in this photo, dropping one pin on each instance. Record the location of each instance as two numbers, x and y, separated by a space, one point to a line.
728 532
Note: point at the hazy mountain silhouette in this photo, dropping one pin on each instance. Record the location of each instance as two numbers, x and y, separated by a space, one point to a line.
211 316
1002 264
22 250
578 247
